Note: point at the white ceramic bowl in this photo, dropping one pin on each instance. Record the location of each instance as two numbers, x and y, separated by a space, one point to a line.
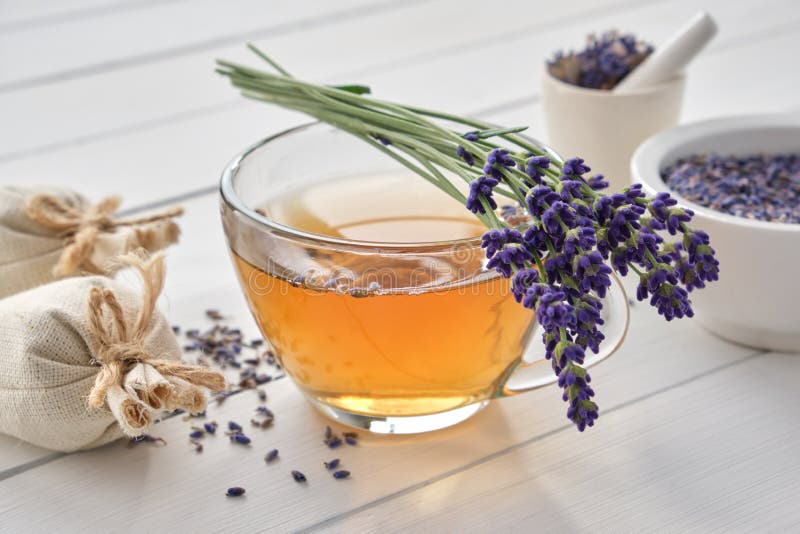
756 301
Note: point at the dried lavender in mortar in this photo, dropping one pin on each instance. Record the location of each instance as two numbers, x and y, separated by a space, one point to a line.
764 187
603 63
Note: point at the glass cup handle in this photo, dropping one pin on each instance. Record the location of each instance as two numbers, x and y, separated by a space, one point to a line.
534 371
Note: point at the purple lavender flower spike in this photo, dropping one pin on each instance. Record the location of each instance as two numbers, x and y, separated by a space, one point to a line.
539 199
481 188
575 168
492 241
535 168
496 161
522 281
597 182
465 155
510 256
552 312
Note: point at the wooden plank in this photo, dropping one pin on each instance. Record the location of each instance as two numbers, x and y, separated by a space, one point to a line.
717 454
16 13
149 96
178 487
89 45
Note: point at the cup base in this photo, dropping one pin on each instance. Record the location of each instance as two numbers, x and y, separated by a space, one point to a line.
416 424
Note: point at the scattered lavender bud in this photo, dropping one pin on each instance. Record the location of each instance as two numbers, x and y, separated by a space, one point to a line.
341 474
334 442
256 343
351 440
146 438
214 315
263 410
262 395
298 476
264 423
271 455
211 427
235 492
198 447
333 464
176 329
195 434
233 426
328 433
241 439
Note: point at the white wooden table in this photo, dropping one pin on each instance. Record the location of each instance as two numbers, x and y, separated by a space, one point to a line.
111 96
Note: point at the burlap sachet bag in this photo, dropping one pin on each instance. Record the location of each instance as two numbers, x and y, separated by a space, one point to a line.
49 233
86 360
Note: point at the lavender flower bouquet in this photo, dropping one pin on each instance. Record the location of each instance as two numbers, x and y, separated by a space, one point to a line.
560 258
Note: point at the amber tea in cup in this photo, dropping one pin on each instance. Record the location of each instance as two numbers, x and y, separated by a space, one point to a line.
371 285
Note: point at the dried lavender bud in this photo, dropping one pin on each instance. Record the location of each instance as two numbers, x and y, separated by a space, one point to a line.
198 447
328 433
350 440
271 455
333 464
235 492
211 427
263 410
214 315
334 442
146 438
241 439
195 434
341 474
233 426
603 63
262 395
298 476
264 423
256 343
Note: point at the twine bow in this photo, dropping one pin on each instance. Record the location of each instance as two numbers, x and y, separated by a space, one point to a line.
119 346
82 226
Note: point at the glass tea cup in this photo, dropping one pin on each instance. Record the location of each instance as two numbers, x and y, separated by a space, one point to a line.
391 337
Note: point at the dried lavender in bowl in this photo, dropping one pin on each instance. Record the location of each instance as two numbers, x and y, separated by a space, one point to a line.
603 63
761 186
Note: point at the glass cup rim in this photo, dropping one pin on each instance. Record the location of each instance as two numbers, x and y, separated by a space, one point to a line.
229 196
